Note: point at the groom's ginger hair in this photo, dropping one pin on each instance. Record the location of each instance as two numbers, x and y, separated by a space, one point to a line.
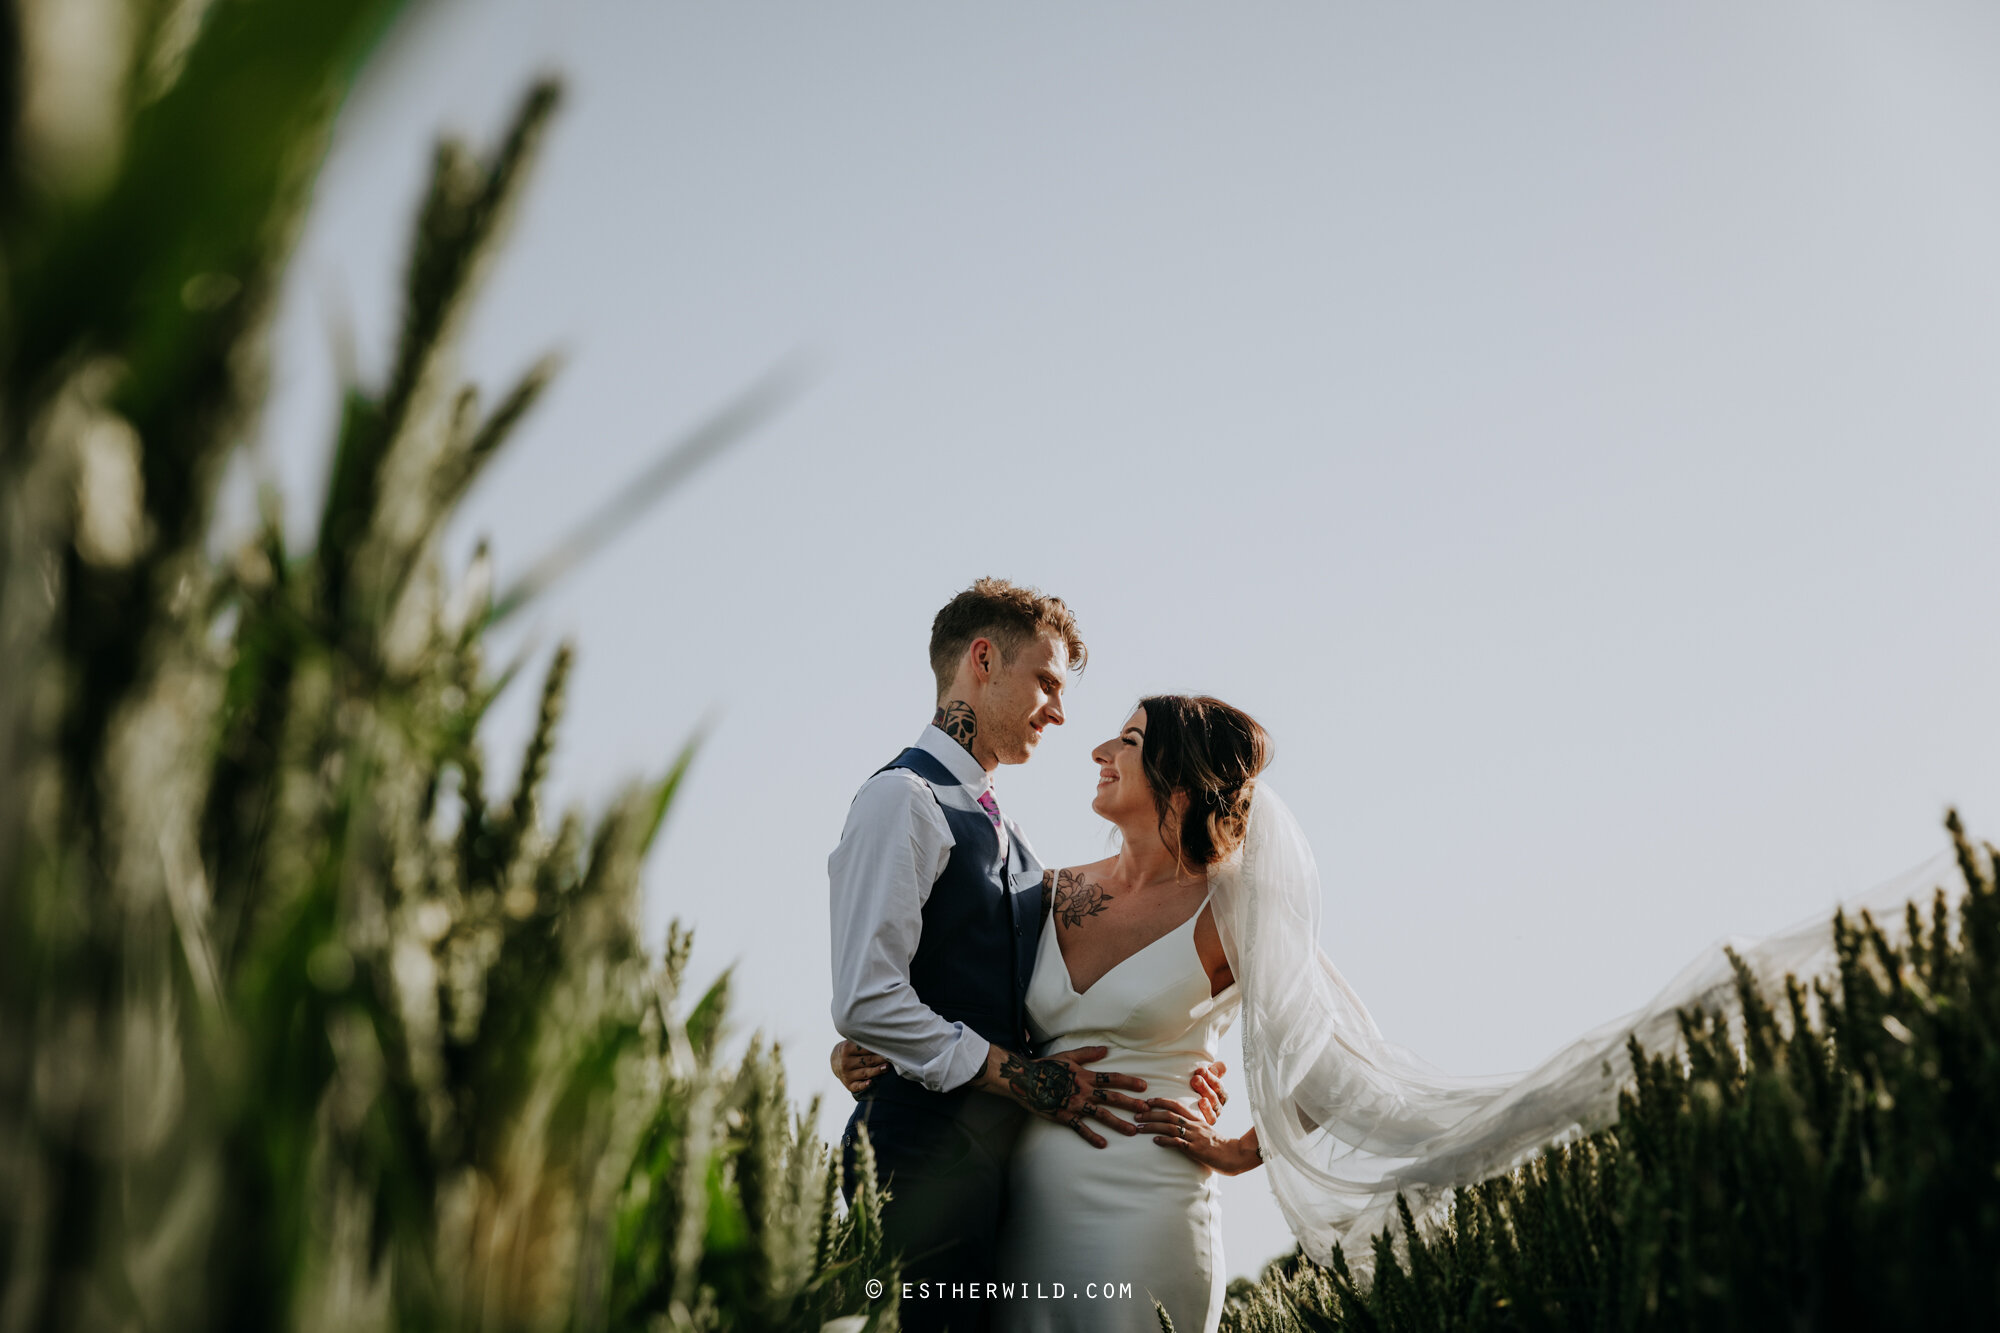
1006 613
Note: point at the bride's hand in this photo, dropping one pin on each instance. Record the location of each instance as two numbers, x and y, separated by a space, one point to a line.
1174 1126
855 1066
1206 1081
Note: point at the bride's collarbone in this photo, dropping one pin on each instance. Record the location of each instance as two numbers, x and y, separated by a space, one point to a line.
1100 922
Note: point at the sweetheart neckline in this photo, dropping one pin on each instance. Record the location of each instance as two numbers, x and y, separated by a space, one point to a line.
1070 981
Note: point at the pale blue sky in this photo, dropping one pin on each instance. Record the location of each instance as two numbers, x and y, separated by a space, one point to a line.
1571 429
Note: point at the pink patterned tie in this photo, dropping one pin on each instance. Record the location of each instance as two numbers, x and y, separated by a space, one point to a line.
992 809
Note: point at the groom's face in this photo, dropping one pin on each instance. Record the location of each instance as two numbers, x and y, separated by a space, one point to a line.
1023 697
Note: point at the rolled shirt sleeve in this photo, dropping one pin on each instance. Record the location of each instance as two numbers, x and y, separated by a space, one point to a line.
891 852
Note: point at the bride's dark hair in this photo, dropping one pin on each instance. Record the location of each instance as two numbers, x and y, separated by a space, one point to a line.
1211 752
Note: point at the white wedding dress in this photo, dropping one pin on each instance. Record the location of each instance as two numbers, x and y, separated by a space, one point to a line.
1095 1235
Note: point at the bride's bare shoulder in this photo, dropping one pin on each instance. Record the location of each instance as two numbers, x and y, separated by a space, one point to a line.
1068 879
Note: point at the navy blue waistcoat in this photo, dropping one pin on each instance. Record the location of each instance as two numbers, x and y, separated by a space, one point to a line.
977 950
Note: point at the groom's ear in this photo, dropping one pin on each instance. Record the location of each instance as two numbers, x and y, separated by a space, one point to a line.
984 654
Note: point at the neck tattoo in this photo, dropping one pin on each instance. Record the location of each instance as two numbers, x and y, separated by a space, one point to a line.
958 721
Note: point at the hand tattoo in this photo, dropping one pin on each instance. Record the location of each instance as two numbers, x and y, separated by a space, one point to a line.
1077 898
1042 1085
957 721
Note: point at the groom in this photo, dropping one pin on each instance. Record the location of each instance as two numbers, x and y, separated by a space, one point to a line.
937 913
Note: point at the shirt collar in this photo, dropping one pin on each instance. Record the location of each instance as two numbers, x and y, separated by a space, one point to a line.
955 757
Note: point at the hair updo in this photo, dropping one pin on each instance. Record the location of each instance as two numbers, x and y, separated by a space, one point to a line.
1211 753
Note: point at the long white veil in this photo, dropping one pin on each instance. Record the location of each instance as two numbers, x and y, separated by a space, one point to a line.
1347 1119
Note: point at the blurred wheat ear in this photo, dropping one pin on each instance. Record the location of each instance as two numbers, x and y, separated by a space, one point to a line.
306 1020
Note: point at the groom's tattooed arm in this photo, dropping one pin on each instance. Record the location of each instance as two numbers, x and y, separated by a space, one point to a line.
1076 898
958 721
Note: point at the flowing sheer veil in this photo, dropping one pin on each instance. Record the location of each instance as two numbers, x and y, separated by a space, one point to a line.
1347 1118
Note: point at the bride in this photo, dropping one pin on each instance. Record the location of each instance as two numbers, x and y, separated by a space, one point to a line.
1135 961
1209 911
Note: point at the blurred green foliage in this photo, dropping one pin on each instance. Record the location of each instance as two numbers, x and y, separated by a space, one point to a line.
1833 1167
304 1021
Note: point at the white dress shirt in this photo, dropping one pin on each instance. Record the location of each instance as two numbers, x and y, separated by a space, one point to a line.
891 852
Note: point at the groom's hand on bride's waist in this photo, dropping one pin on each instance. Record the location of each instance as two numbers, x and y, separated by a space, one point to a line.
857 1068
855 1065
1058 1087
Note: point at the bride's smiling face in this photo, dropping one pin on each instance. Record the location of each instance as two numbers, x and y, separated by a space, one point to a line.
1122 791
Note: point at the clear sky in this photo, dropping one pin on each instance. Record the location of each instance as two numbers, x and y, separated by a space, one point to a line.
1571 429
